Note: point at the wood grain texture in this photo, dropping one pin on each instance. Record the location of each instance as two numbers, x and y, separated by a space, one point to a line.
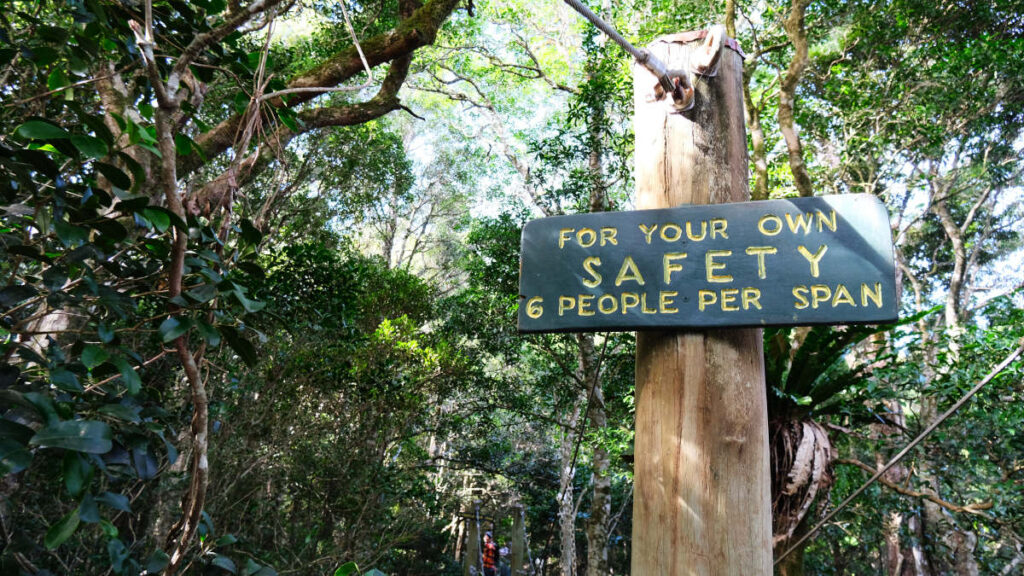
702 484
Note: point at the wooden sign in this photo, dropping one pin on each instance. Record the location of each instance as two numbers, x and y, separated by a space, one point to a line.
820 260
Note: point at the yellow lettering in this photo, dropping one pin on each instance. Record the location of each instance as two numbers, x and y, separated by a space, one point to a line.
802 222
830 221
608 236
842 296
534 308
584 307
590 236
666 302
643 305
629 271
703 231
728 297
648 231
776 225
760 251
815 258
751 297
677 232
710 266
800 293
875 294
563 235
629 300
706 298
718 226
819 293
669 267
565 303
588 266
607 298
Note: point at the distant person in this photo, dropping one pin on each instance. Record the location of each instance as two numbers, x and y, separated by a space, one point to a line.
490 553
504 568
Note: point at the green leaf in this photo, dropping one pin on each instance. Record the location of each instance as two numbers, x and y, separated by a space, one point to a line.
374 572
90 146
87 436
160 220
109 530
209 333
224 563
115 501
249 305
105 333
121 412
57 79
128 374
93 356
114 174
42 404
157 562
249 232
54 278
171 216
14 295
347 569
77 473
11 430
226 540
65 380
151 148
41 130
69 234
172 328
289 119
14 457
61 531
240 345
182 144
202 293
88 511
251 567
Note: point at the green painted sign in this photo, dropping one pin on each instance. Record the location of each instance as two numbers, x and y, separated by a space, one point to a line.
822 260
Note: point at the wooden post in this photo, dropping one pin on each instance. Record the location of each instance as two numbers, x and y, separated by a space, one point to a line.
702 485
471 563
517 548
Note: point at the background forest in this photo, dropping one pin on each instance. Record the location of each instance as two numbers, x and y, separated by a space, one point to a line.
260 262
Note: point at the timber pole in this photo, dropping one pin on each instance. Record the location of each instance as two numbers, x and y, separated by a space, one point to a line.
517 554
473 560
702 501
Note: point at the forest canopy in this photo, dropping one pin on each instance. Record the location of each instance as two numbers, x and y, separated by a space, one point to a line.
260 278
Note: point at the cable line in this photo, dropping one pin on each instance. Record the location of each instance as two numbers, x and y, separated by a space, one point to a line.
674 82
927 431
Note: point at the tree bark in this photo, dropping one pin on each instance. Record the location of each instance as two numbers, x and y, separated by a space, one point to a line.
601 499
797 34
702 501
517 552
566 475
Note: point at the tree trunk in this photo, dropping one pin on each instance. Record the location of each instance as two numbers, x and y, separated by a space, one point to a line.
797 34
566 475
517 555
601 501
702 502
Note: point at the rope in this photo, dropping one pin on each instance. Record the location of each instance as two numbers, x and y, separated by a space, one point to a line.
931 428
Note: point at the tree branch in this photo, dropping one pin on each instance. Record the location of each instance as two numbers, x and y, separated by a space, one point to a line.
973 508
417 31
